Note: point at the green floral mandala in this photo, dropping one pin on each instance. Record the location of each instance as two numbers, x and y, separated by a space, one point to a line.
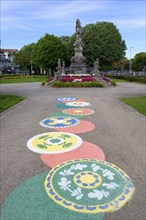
89 186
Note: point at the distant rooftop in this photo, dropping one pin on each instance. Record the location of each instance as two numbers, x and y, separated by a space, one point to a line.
10 50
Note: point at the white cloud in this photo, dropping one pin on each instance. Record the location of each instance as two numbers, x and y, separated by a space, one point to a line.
26 14
67 8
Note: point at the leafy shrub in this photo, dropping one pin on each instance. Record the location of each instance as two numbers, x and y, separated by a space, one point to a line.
97 84
57 84
43 83
131 78
77 84
113 83
86 84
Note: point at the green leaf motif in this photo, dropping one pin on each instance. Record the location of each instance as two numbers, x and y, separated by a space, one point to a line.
42 137
55 140
45 137
41 146
66 136
66 145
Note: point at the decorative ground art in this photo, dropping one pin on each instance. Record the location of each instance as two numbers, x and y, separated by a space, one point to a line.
63 105
82 127
63 114
78 104
78 111
64 99
86 150
54 142
89 186
29 201
59 122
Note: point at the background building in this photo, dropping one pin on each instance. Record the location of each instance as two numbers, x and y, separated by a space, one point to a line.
6 60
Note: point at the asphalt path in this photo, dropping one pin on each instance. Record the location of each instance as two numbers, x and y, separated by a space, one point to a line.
120 132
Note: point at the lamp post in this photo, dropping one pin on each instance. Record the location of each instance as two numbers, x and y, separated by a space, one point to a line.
31 69
130 62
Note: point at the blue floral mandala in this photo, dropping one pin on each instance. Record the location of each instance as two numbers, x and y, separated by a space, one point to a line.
64 99
59 122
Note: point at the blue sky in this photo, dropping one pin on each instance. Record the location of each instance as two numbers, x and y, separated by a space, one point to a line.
26 21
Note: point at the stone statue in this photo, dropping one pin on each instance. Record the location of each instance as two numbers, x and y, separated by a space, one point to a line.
78 26
78 61
59 70
96 66
96 63
78 43
59 63
63 68
49 72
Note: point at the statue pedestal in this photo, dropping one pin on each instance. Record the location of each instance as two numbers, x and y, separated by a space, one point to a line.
78 68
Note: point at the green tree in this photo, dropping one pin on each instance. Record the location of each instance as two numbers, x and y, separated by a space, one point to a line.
139 61
122 64
47 51
103 40
68 47
24 56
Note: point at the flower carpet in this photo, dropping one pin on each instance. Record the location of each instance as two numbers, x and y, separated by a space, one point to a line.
80 184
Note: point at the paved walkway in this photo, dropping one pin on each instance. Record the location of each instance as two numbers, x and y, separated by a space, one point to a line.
120 132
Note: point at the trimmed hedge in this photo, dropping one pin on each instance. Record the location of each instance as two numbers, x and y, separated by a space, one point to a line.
130 78
58 84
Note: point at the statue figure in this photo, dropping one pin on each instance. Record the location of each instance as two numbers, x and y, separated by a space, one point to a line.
78 43
78 26
78 61
96 63
63 68
59 63
49 72
96 66
59 70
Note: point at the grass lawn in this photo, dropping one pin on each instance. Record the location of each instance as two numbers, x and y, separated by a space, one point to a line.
22 79
118 80
7 101
138 103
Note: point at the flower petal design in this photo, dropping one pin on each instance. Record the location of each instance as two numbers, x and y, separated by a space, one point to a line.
95 167
78 166
64 183
99 194
79 196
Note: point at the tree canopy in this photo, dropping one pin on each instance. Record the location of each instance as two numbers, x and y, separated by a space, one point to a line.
48 50
68 46
24 56
103 40
122 64
139 61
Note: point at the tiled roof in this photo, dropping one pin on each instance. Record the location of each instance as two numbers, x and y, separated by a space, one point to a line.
10 50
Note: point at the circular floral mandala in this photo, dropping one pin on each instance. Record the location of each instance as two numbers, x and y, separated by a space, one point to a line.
59 122
78 104
90 186
54 142
64 99
78 111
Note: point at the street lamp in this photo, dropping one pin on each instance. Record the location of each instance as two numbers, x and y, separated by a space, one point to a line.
31 69
130 62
